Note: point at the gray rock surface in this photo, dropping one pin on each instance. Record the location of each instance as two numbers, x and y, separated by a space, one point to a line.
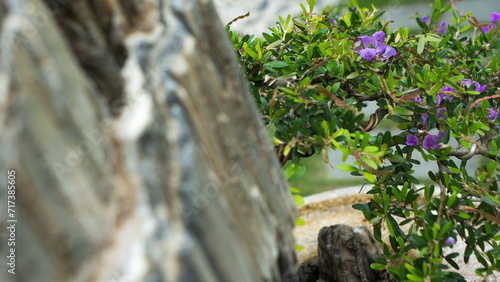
138 155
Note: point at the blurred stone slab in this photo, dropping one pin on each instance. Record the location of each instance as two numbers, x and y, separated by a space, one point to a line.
139 155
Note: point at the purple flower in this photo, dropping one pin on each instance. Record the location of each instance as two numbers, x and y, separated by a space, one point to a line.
332 21
450 241
365 40
380 47
368 54
438 99
486 29
492 115
418 100
389 52
430 142
446 88
357 49
479 87
442 25
440 135
439 112
495 17
411 140
423 119
466 82
379 36
425 20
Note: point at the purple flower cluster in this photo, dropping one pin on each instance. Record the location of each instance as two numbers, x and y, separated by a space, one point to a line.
477 87
430 141
378 48
494 17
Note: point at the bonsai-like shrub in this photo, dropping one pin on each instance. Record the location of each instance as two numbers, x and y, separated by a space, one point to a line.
313 77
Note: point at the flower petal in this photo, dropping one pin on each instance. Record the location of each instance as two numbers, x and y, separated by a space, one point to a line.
495 17
430 142
411 140
368 54
379 36
442 25
365 40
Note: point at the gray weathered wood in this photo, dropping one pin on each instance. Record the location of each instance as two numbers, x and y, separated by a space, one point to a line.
138 151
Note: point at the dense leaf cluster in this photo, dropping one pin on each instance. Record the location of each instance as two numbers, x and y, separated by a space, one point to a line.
313 77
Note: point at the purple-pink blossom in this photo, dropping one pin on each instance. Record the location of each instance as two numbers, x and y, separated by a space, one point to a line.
493 114
423 119
438 99
486 29
368 54
450 241
440 135
430 142
442 25
365 40
411 140
418 100
469 82
446 88
379 36
439 112
389 52
479 87
466 82
425 20
494 17
380 47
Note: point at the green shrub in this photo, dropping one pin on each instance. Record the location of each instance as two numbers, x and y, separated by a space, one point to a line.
312 78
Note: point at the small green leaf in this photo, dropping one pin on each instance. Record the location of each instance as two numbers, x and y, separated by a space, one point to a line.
433 38
451 199
491 167
390 227
299 222
287 150
378 266
369 177
311 5
421 45
347 167
276 64
353 75
299 201
464 215
326 128
436 88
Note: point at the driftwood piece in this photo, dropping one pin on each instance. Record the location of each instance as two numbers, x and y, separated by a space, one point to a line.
138 153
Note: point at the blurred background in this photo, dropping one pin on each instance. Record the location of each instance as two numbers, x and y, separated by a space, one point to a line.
319 176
